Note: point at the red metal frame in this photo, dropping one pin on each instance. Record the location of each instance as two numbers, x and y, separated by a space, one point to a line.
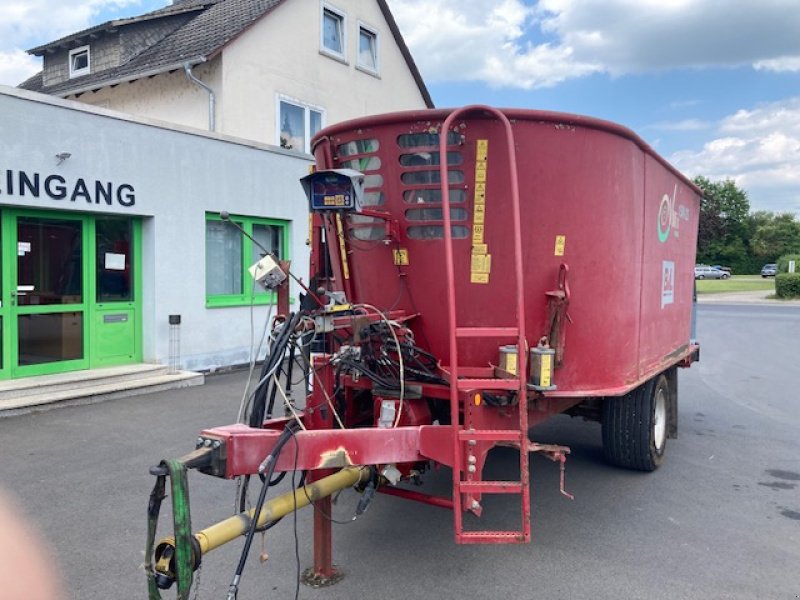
476 451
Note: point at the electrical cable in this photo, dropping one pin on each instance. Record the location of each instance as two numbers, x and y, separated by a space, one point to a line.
270 461
271 364
252 363
288 404
294 519
399 357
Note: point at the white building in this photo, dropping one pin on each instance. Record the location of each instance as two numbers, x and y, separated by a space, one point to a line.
111 222
275 71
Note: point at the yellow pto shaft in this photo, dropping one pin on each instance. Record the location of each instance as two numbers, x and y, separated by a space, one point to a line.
225 531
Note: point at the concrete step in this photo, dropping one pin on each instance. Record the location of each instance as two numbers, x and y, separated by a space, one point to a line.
114 383
57 382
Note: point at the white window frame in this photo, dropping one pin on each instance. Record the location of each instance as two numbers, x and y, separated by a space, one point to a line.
323 8
307 108
87 69
359 65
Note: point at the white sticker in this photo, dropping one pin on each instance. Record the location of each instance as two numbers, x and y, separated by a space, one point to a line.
115 262
667 283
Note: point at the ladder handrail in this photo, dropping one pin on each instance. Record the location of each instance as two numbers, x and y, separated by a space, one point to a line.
522 354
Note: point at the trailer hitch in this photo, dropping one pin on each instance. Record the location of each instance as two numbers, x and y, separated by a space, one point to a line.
175 558
185 555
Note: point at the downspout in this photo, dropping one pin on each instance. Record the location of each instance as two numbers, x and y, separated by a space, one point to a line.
187 67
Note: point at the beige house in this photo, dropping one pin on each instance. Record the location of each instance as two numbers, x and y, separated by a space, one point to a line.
275 71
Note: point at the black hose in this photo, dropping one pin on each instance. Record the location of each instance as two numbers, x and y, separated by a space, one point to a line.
277 350
285 436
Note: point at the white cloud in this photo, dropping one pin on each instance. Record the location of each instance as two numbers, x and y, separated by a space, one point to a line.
641 35
782 64
760 150
28 23
512 43
684 125
16 66
479 40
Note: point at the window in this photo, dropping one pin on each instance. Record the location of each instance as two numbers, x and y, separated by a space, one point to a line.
367 49
332 33
229 255
297 124
79 62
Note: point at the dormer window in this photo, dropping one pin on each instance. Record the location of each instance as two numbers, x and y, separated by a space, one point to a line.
79 61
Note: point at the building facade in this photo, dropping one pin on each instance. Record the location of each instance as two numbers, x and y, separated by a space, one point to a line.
112 186
275 71
110 224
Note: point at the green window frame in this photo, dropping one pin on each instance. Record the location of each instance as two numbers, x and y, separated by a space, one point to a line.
229 255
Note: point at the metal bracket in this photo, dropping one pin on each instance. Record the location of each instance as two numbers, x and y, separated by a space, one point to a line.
556 454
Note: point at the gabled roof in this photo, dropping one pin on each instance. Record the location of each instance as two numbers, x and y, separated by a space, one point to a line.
175 9
214 24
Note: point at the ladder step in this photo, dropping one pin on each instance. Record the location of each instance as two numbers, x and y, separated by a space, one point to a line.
488 384
491 487
476 332
492 537
491 435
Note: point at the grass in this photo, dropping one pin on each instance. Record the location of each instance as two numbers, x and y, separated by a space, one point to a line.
737 283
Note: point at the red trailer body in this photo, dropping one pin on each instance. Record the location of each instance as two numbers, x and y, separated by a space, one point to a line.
593 196
567 245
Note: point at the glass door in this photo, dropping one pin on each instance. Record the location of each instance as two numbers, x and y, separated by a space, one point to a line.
48 295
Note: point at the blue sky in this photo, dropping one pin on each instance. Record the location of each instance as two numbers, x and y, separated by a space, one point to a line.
713 85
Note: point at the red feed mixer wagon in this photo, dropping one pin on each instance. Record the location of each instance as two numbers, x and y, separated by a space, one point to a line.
473 272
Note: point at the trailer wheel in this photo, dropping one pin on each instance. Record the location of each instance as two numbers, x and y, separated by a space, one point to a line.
635 426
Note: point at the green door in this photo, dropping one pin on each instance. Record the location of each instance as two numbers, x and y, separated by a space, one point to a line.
115 313
47 293
69 292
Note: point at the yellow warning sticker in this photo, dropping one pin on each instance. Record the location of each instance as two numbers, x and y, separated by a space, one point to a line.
511 362
561 242
481 263
401 256
546 368
479 278
482 150
481 260
342 249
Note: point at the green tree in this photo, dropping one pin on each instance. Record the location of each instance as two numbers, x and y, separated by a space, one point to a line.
724 229
774 236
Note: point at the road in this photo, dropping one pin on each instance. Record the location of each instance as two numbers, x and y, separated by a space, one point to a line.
719 520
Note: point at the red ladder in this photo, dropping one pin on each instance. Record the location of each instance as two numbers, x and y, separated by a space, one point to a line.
464 437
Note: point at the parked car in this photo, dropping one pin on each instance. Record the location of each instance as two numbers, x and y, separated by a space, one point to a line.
706 272
769 270
721 268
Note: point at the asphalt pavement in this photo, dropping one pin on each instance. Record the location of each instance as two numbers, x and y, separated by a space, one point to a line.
719 520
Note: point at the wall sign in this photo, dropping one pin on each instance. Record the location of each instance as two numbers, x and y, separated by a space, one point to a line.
22 184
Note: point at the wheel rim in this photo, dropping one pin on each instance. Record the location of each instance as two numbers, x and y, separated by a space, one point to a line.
660 419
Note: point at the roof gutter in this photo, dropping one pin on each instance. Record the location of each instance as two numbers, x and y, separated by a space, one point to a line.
212 101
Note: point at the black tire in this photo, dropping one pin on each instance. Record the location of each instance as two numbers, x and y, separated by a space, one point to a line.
635 426
700 277
725 276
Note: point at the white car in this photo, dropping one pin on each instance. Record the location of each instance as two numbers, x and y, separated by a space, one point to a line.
706 272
